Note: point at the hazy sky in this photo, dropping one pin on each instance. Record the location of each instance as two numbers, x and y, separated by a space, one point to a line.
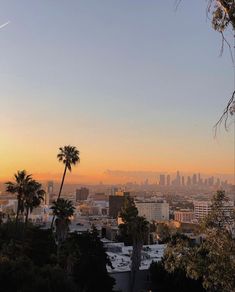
134 84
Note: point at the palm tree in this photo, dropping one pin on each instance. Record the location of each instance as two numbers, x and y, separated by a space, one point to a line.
19 188
69 155
63 209
33 197
138 228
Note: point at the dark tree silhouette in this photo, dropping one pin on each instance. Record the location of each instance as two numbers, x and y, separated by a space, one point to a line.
62 210
69 156
34 195
19 187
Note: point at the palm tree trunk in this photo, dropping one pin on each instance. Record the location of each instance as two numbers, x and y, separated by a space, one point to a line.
61 187
26 217
135 264
62 182
17 214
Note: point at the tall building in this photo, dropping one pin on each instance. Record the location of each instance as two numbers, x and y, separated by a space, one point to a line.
199 179
50 187
182 181
116 204
153 210
49 193
168 180
82 194
113 191
178 182
162 180
194 179
189 181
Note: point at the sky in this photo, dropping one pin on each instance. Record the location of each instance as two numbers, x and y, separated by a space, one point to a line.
134 84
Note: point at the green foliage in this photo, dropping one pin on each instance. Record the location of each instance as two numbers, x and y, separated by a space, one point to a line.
29 262
28 191
223 14
69 155
21 275
133 231
63 209
34 195
212 261
88 260
177 281
163 233
19 187
129 210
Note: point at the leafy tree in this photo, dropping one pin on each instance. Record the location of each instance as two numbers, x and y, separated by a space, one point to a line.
63 210
128 213
163 232
22 275
134 230
213 260
39 246
84 259
162 281
129 210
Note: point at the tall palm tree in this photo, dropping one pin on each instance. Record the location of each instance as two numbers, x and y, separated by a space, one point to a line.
33 197
63 209
138 228
19 188
68 155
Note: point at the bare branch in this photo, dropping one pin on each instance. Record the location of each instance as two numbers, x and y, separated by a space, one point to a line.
224 116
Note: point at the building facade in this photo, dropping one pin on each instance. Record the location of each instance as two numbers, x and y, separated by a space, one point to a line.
153 210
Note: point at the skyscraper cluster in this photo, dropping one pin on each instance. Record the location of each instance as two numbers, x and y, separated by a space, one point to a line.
193 180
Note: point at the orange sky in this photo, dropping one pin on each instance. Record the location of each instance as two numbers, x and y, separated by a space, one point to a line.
132 95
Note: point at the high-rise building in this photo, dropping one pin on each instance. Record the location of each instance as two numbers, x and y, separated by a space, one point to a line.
116 203
162 180
189 181
194 179
50 187
49 193
178 182
199 179
168 180
182 181
113 191
82 194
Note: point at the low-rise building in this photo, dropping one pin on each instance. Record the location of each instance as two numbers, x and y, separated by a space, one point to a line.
184 216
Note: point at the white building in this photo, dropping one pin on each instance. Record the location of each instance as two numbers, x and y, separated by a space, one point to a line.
120 257
153 210
202 208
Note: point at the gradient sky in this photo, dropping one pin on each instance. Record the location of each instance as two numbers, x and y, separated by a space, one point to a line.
134 84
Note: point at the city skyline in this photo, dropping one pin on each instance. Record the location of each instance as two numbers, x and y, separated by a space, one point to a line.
132 91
